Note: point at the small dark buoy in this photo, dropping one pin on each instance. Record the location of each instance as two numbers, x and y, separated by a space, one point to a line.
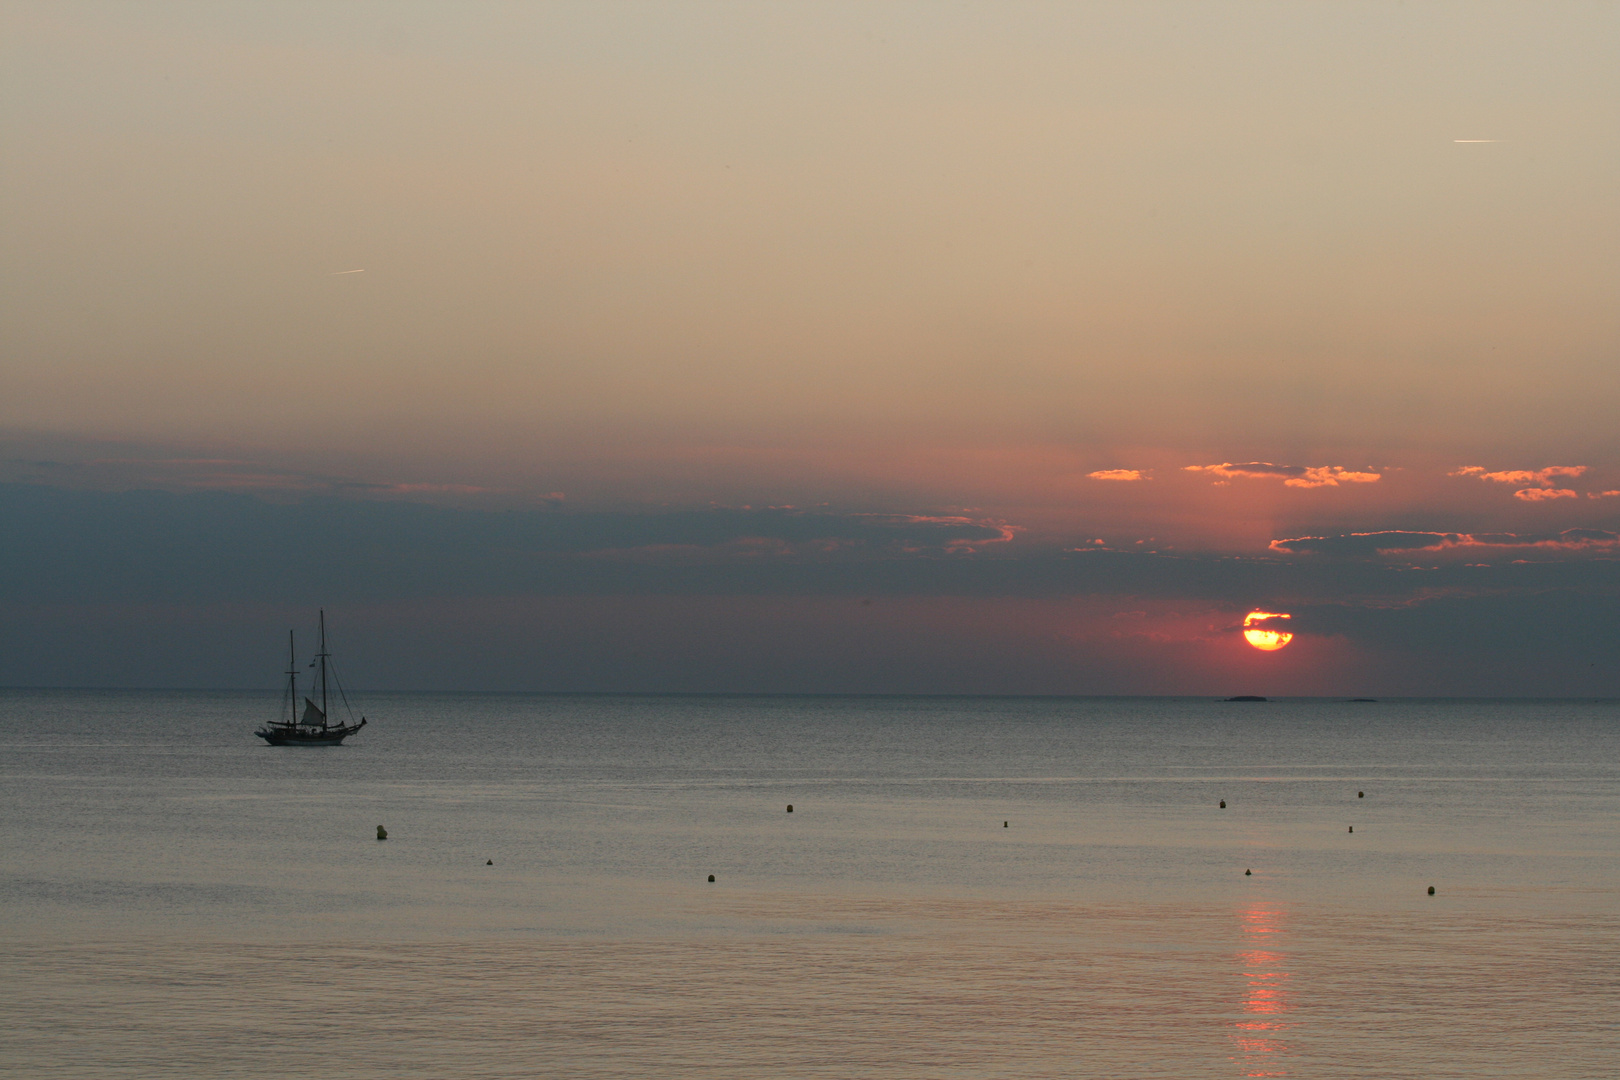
1431 890
1361 794
1223 804
1003 824
382 833
489 862
1352 828
1248 873
711 877
790 808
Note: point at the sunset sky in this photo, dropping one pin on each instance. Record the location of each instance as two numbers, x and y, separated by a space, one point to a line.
1002 348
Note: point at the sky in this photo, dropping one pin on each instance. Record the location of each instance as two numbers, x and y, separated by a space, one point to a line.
829 347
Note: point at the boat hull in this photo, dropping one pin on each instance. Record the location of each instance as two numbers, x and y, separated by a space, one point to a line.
286 735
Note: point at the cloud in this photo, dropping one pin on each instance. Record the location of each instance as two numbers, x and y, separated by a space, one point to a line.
1299 476
972 534
1543 479
168 472
1116 474
1602 494
1364 544
148 545
1539 477
601 601
1372 544
434 489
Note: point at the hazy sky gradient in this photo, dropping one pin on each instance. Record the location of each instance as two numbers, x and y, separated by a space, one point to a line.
951 261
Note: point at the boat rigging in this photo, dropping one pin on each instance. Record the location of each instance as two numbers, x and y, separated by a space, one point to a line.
312 728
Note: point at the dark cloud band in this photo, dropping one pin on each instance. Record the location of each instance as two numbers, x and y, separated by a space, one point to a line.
1373 544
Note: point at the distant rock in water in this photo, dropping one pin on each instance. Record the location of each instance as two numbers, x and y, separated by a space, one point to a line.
1246 697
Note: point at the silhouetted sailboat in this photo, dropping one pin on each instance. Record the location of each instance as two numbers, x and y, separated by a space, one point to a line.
312 728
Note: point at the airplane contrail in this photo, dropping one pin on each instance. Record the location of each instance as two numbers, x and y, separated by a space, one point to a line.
335 273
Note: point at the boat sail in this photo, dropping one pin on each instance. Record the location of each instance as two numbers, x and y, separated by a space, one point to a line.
312 728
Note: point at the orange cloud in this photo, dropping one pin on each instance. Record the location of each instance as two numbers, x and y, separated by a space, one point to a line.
1543 494
1602 494
1539 477
1115 474
1300 476
1331 476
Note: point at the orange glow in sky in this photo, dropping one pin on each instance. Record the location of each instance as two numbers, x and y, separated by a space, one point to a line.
1260 638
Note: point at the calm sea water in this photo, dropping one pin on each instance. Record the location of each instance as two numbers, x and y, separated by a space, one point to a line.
967 887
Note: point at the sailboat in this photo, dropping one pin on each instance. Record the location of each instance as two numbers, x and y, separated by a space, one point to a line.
312 728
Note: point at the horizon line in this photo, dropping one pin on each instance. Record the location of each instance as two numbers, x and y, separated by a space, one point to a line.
1219 698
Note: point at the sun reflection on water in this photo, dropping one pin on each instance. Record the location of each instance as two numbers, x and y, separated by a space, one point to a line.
1257 1033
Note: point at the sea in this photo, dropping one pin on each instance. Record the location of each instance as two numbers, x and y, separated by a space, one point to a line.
965 887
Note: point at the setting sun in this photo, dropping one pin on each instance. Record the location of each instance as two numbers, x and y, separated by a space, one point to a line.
1260 638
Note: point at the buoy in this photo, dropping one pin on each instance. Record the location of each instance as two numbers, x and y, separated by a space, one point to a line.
489 862
1223 804
790 808
1431 890
1003 824
1361 794
1248 873
382 833
1352 828
711 878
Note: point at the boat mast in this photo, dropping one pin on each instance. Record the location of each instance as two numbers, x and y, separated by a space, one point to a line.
292 680
323 667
